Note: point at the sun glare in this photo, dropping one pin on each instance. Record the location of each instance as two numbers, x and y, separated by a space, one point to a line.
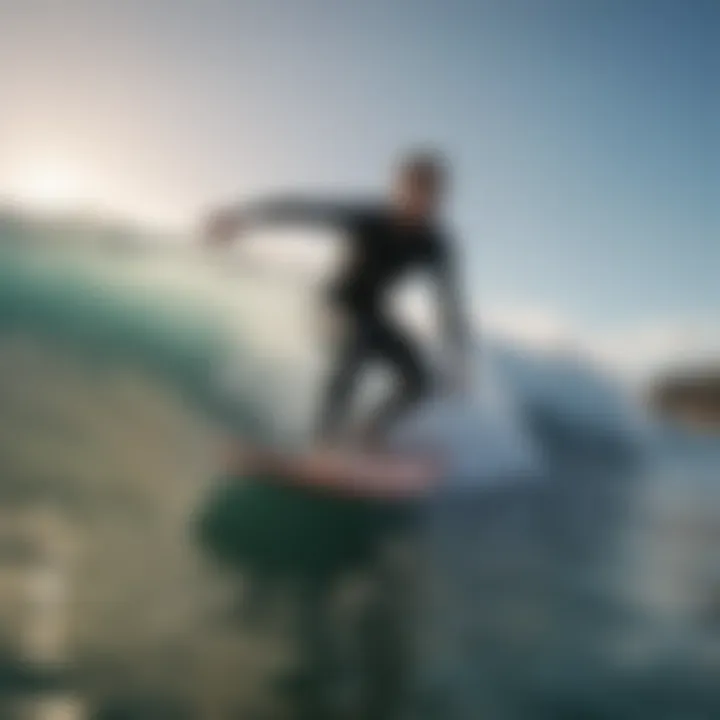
48 187
58 185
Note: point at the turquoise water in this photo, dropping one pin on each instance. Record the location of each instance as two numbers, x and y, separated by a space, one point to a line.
85 300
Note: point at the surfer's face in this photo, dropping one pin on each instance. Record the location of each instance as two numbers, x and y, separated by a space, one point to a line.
419 191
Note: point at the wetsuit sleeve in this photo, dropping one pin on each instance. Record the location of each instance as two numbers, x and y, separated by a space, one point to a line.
293 211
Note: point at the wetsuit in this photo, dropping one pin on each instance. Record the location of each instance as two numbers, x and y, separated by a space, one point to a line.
382 250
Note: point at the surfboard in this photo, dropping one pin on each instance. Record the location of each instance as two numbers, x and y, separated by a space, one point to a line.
268 526
312 513
346 472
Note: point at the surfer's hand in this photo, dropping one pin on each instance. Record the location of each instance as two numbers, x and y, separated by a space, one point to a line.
221 226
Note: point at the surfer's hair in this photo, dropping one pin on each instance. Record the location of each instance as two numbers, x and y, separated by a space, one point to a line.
426 166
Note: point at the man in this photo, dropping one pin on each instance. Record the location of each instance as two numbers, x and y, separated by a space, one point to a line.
387 240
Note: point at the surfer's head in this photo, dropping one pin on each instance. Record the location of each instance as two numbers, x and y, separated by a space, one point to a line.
421 179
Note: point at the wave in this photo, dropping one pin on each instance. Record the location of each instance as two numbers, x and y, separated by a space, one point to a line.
237 348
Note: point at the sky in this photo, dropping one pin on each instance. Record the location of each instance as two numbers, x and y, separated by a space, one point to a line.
585 135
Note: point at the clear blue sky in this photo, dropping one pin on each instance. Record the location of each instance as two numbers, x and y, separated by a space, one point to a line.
586 133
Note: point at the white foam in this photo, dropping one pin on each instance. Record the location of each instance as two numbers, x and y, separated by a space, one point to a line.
481 434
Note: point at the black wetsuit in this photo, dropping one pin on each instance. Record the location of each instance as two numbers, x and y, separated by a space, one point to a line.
382 250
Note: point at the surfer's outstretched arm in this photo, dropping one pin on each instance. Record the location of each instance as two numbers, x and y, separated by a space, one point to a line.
229 221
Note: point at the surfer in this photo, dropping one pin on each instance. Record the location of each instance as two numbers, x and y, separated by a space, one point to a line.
387 240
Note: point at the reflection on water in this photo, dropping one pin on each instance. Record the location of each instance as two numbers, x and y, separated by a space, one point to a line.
36 576
595 592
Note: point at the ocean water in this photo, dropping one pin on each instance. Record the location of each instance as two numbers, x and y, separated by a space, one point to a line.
586 586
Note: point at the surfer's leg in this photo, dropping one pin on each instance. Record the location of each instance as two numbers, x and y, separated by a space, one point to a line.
351 355
392 346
